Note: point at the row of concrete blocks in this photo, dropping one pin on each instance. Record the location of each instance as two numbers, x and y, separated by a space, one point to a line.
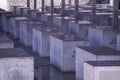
15 63
61 48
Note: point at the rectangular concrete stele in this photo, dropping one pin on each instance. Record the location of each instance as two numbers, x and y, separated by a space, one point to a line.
48 19
5 42
16 64
79 28
38 15
102 70
42 72
93 53
1 12
15 25
62 51
56 74
103 36
20 10
62 23
5 21
26 32
34 15
118 42
43 40
111 20
25 12
103 18
104 9
29 12
14 9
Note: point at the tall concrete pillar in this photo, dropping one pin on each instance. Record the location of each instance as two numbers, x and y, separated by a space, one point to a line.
28 3
77 9
52 6
43 5
35 4
93 13
115 14
63 8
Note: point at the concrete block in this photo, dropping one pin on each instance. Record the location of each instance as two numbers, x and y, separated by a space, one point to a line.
103 18
102 70
13 9
104 9
30 12
42 40
15 25
79 28
42 72
118 42
16 64
5 42
20 10
5 21
56 74
93 53
25 12
48 19
26 32
1 12
103 36
62 51
62 23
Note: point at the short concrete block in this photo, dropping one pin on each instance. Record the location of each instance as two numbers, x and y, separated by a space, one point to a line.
103 36
62 23
15 28
13 9
25 12
93 53
26 32
20 11
102 70
62 51
79 28
43 40
48 19
5 42
103 18
16 64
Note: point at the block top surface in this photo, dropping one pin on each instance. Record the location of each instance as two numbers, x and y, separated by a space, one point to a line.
89 11
69 18
103 63
47 29
13 52
100 50
109 14
82 22
31 23
21 18
48 14
69 38
5 39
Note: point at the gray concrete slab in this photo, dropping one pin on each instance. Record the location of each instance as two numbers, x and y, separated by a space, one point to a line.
62 51
79 28
62 23
16 64
25 12
15 25
43 40
102 70
93 53
103 18
5 42
103 36
26 32
19 11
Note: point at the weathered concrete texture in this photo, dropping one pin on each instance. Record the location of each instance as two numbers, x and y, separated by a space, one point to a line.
62 23
48 19
25 12
43 40
105 9
5 42
84 15
79 28
103 18
56 74
43 72
19 10
26 32
103 36
5 21
118 42
15 26
16 64
93 53
1 12
102 70
62 51
13 9
30 12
